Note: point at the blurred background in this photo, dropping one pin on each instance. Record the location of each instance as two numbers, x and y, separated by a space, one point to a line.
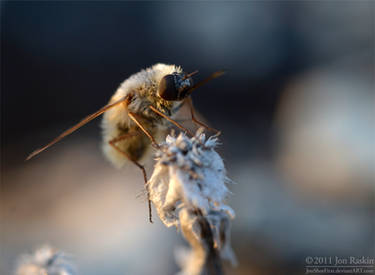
296 110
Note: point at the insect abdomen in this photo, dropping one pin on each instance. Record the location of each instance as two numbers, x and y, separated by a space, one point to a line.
134 146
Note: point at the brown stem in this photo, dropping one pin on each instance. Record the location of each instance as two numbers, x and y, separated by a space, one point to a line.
205 258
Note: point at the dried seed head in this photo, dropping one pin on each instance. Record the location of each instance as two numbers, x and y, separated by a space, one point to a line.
188 190
188 171
45 261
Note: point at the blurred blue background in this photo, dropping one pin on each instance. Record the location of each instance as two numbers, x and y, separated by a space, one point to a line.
296 109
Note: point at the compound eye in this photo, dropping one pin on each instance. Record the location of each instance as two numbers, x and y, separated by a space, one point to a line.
167 88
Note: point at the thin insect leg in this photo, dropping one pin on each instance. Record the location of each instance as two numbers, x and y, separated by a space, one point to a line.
182 120
171 120
190 102
133 117
140 166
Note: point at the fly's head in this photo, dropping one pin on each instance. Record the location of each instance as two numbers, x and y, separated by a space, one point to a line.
175 87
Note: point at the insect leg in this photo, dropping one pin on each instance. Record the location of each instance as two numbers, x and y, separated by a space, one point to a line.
171 120
191 106
147 133
140 166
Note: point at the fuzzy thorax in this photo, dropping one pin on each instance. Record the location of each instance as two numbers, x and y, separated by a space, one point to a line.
142 87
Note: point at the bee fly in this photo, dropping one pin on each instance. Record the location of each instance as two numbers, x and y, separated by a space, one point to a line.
138 113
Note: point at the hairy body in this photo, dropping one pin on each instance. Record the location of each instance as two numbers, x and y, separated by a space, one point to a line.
142 90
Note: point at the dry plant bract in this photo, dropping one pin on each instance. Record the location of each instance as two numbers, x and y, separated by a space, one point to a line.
188 189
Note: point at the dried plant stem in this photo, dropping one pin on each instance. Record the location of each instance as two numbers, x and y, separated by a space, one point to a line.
206 258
